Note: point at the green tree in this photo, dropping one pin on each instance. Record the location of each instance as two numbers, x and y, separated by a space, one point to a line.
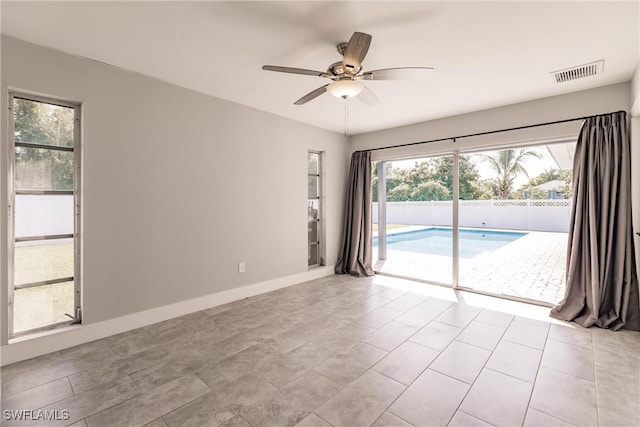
430 190
46 124
508 164
431 179
564 175
399 193
468 181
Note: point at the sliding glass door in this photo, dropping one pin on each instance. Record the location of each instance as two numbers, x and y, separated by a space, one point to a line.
494 221
413 218
514 218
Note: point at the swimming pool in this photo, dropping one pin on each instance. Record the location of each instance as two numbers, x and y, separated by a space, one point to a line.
439 241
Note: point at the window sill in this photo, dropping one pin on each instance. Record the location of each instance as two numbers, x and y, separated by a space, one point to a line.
44 333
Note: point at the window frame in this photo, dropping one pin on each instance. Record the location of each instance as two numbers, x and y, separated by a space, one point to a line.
318 221
77 221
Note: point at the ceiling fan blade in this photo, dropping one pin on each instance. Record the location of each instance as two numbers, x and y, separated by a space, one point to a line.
355 52
406 73
311 95
368 97
292 70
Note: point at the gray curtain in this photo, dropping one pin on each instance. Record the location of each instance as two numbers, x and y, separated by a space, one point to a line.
602 285
356 249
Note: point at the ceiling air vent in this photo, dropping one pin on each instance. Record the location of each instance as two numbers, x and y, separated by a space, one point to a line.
579 72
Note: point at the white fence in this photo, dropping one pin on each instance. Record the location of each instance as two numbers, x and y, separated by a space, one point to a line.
530 214
42 215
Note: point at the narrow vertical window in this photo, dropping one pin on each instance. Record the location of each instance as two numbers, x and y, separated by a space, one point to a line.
314 222
44 175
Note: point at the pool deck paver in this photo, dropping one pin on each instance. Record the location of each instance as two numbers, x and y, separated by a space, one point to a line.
532 267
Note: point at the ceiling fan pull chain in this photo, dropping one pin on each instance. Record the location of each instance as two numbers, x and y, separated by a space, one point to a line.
346 116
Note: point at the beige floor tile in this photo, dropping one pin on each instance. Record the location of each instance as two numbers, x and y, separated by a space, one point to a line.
482 335
281 369
622 361
571 359
156 423
539 419
407 362
349 408
350 364
461 361
90 402
436 335
618 396
146 407
117 368
37 397
431 400
418 316
390 336
392 293
460 419
186 362
564 396
236 421
406 302
571 333
291 404
45 369
374 301
531 333
379 317
459 315
312 420
437 304
343 336
622 341
498 399
496 318
224 402
389 420
516 360
222 370
377 386
252 355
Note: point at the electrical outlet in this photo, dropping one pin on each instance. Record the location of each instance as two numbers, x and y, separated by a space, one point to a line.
241 267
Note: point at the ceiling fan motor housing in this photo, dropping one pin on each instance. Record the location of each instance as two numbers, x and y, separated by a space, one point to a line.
337 69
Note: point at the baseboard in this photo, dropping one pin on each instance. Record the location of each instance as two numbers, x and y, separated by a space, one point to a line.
38 344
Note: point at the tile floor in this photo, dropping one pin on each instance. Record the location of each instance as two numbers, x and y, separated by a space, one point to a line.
341 351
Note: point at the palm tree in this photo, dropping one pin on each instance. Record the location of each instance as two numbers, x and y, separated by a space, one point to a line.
508 164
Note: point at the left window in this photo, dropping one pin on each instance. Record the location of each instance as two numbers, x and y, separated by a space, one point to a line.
314 211
44 260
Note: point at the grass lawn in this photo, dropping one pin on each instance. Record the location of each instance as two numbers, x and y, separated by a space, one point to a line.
42 305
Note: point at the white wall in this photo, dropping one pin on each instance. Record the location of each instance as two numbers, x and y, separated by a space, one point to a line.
595 101
178 187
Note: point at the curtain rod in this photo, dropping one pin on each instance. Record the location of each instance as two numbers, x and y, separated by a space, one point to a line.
490 132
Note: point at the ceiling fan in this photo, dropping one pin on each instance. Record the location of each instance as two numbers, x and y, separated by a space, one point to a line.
348 74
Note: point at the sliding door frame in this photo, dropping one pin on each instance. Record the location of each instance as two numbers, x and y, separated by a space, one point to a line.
456 206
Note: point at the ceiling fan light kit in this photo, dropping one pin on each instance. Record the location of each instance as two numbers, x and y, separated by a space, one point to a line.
347 75
345 88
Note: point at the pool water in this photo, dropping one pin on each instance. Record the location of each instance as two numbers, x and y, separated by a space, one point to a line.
439 241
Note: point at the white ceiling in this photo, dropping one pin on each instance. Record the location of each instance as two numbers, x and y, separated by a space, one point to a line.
486 54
